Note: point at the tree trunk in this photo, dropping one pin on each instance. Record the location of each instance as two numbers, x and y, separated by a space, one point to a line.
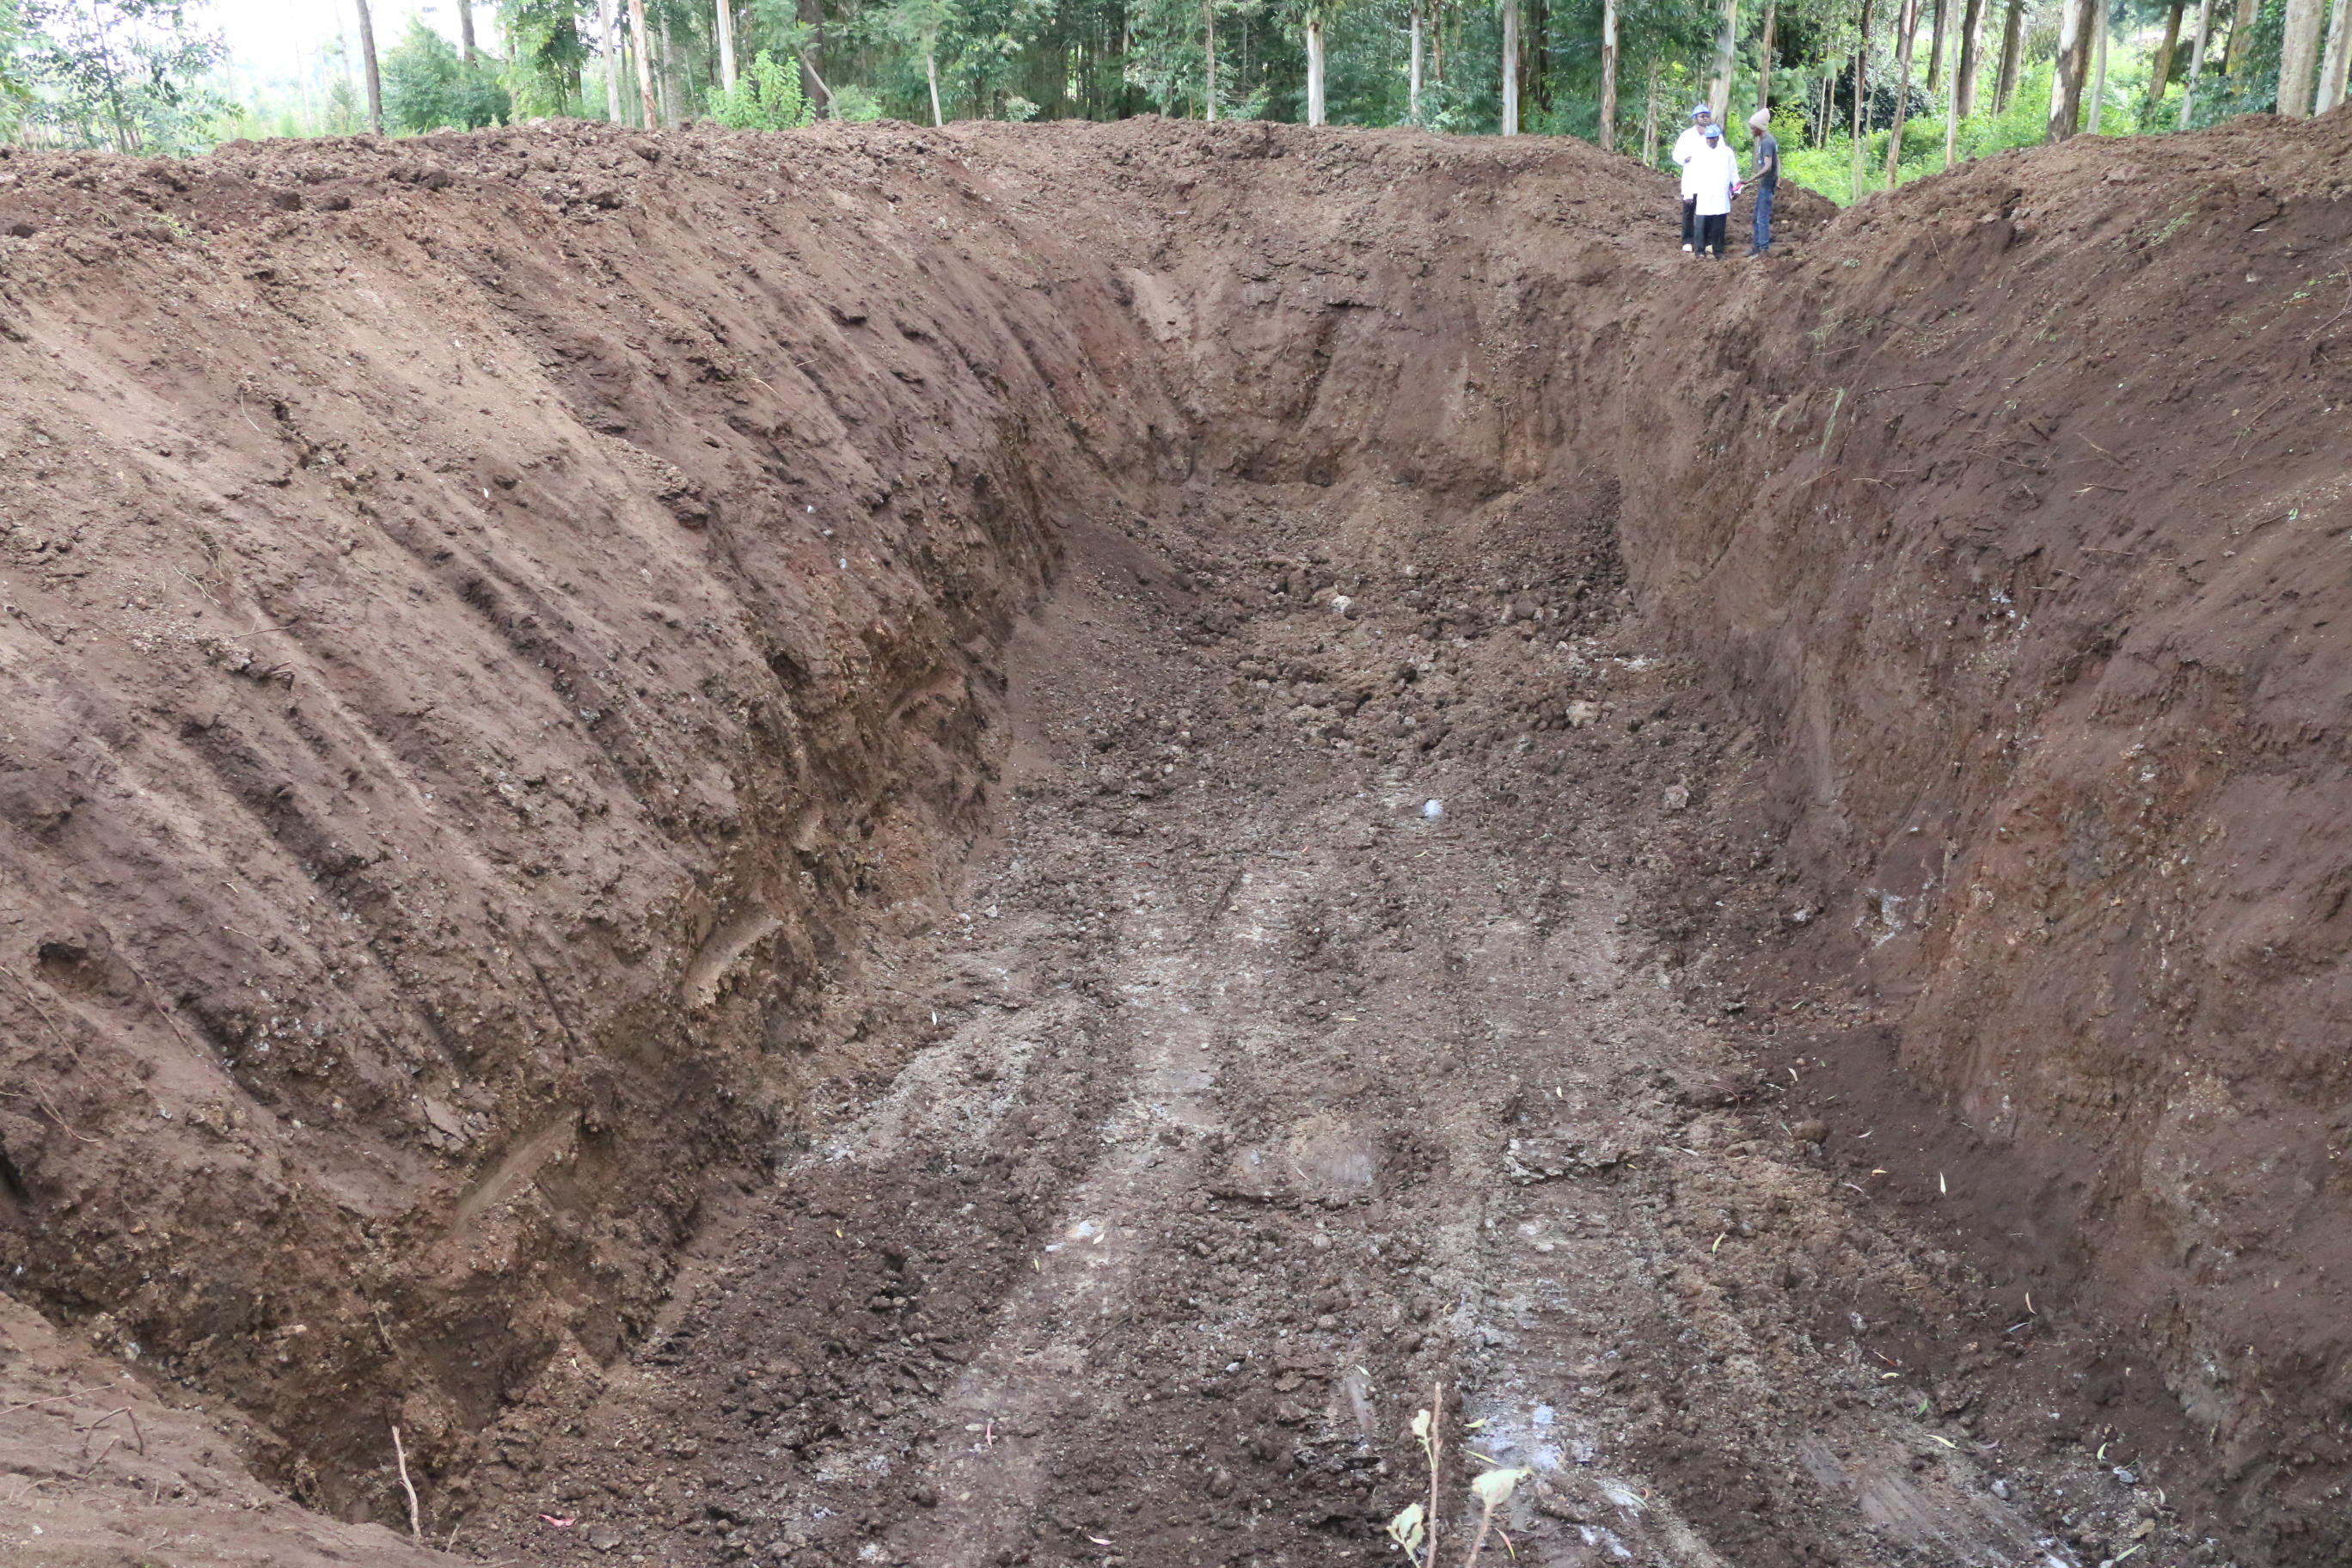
1971 61
1727 44
1209 15
1909 25
466 30
2012 38
1510 68
826 93
932 73
2074 30
1764 60
2337 64
368 65
1609 75
2298 57
1314 70
1861 126
810 15
665 83
2241 35
611 51
1650 121
1413 92
1936 48
2159 71
2098 70
643 45
725 18
2196 60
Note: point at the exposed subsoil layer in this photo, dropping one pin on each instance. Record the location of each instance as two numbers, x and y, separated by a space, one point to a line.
964 847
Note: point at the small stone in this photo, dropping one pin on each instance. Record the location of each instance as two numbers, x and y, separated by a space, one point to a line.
604 1537
1327 1322
1581 715
2001 1490
1811 1132
1677 796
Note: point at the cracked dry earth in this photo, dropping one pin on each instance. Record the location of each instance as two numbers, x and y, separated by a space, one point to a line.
1246 1099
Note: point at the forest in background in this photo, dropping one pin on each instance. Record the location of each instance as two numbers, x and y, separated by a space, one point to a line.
1935 80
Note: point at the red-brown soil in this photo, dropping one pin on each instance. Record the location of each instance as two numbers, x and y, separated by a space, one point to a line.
736 825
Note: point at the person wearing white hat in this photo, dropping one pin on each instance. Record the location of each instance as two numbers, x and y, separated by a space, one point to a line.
1714 175
1768 180
1688 145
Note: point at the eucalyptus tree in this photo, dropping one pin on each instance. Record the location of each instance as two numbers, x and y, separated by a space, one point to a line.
2299 56
2196 61
2336 65
2076 24
919 25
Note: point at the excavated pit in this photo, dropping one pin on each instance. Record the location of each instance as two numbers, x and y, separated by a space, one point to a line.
960 848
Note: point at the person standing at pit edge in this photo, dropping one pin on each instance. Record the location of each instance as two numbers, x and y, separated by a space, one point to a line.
1689 145
1768 180
1714 174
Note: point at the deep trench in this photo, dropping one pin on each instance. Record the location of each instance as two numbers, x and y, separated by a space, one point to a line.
935 917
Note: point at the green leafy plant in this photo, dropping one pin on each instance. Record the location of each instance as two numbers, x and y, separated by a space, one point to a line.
853 102
551 50
428 87
13 93
124 74
767 97
1415 1529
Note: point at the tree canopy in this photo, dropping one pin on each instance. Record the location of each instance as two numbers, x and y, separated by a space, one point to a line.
428 86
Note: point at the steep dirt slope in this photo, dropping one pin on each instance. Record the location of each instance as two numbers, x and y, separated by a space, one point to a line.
477 651
2040 600
469 796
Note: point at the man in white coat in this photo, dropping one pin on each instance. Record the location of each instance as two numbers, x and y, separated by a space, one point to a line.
1713 177
1689 145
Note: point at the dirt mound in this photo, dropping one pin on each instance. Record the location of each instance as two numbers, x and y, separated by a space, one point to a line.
519 745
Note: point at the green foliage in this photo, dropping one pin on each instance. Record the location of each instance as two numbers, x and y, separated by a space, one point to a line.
551 51
346 115
767 97
991 36
14 89
853 102
124 74
426 87
1830 170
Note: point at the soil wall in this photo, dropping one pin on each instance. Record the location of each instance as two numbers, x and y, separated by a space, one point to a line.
493 624
2024 553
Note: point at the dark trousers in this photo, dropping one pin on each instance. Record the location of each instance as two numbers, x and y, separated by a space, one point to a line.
1763 217
1710 233
1690 220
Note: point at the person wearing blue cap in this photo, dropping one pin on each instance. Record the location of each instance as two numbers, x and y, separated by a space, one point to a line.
1714 176
1688 145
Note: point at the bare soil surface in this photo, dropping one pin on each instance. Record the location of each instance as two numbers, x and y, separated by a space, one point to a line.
967 848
